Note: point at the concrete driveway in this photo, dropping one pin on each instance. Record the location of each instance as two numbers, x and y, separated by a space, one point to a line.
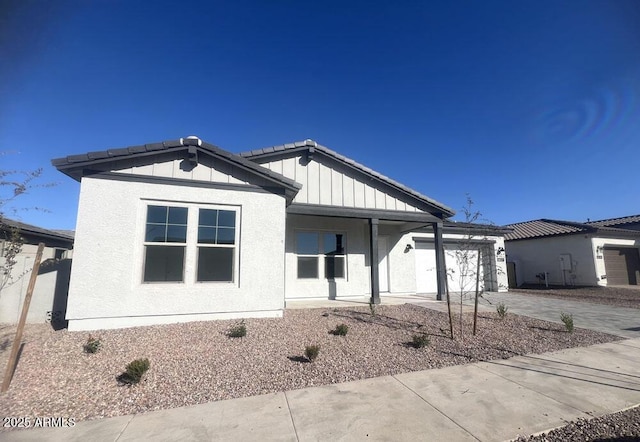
618 321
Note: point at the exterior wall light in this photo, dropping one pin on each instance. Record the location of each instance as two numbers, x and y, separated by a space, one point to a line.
408 248
500 251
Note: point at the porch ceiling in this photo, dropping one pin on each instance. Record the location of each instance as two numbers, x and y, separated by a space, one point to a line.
420 218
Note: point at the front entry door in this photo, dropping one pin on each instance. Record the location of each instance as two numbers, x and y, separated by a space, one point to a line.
383 264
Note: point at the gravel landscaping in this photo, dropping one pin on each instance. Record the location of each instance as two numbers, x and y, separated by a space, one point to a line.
198 362
615 296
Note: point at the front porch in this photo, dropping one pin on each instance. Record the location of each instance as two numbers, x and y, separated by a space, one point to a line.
357 301
356 255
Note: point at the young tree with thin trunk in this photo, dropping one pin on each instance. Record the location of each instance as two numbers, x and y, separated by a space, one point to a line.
468 257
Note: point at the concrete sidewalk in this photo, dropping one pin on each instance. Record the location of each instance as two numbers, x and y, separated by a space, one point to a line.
487 401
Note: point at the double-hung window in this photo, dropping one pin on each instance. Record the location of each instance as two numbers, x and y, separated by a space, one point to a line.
216 244
320 253
165 243
190 243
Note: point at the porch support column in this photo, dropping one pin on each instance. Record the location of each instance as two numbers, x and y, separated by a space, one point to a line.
441 272
373 247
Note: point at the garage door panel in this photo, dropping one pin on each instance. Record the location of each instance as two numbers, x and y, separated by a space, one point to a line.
459 275
461 270
622 265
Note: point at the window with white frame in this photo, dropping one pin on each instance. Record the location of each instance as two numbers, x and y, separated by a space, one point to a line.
180 238
165 243
216 244
321 253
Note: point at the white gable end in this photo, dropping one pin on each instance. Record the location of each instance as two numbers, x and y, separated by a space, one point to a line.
207 169
325 182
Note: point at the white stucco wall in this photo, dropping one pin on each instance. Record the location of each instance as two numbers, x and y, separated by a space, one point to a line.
596 243
12 295
106 289
542 255
402 269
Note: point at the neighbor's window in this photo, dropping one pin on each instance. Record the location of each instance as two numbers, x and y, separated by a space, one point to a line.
165 243
311 246
216 244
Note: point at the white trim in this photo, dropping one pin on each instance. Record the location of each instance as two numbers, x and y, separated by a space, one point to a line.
191 246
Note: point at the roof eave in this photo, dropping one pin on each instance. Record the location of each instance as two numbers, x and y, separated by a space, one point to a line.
77 169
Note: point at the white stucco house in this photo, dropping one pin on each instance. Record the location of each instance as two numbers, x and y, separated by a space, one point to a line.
49 298
183 230
595 253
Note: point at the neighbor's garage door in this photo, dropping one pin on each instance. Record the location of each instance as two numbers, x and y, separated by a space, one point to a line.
622 265
426 275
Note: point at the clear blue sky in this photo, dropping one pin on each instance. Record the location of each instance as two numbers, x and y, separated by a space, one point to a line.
531 107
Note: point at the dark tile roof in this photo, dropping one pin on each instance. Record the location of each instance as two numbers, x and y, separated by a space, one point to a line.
74 164
550 227
542 227
121 152
615 222
312 146
28 229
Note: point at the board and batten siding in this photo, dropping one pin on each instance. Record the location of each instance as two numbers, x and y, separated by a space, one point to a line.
326 185
209 170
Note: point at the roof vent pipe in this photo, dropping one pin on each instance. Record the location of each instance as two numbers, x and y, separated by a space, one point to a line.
191 137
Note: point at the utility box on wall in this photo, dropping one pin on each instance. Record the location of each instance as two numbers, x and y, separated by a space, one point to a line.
565 262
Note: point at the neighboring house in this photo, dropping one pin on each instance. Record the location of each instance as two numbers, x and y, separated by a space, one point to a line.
183 230
49 299
567 253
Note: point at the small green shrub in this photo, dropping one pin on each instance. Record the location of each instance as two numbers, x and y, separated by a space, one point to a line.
311 352
502 310
567 320
134 372
340 330
92 345
239 330
420 341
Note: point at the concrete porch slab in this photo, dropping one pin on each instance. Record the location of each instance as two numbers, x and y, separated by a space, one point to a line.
353 302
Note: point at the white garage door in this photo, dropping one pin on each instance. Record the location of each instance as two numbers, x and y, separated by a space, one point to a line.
459 275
